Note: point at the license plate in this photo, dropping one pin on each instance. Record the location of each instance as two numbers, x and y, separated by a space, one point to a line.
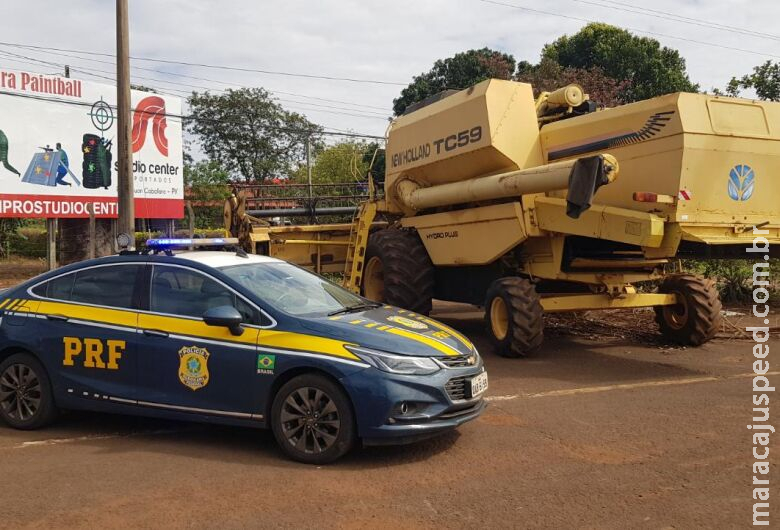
479 384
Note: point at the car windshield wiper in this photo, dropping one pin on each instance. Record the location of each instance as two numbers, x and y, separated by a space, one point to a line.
353 308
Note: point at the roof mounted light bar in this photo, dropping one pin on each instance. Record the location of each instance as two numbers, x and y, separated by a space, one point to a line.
172 243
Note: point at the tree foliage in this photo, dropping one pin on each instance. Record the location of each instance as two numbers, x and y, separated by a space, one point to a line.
457 72
207 186
549 75
343 162
206 180
650 69
374 158
765 80
253 138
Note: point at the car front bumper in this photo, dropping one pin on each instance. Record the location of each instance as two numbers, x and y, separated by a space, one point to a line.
435 403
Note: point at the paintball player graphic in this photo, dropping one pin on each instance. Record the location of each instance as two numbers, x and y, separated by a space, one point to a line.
4 154
63 168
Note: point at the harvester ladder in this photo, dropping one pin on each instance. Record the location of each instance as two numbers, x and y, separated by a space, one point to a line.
358 240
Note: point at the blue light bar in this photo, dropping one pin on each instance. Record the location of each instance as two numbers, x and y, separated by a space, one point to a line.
169 243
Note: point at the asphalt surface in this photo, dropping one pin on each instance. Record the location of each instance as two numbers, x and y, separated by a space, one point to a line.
598 432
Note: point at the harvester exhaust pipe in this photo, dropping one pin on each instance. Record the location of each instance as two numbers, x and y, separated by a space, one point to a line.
582 177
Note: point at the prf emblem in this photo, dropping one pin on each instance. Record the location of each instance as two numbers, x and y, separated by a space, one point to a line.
193 367
408 322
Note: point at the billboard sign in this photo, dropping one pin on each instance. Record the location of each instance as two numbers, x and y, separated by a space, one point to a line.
58 145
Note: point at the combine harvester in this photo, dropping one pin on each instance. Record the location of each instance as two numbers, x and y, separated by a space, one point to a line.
526 206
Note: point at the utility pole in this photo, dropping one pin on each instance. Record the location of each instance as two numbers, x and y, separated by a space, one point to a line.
51 227
126 224
308 165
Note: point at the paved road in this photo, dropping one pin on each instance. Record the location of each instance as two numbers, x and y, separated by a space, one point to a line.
600 433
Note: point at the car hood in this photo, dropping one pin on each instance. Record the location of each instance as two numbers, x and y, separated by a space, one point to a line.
393 330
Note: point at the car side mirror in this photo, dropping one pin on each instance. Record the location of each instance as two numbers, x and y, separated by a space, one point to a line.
225 317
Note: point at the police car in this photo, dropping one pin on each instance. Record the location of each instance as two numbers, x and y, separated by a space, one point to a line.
227 337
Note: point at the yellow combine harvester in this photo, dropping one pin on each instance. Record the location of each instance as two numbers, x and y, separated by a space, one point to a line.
526 206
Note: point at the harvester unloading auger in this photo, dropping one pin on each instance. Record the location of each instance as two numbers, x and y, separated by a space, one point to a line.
528 206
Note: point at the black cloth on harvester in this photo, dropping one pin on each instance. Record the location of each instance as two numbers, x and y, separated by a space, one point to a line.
587 175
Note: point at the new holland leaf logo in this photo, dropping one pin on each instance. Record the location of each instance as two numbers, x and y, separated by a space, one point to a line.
742 182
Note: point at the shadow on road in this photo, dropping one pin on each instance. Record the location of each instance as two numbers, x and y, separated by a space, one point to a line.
117 434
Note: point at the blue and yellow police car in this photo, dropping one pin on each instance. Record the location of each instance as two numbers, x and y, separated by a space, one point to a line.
219 336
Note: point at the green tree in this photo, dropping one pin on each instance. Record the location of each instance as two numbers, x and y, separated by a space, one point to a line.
549 75
765 80
253 138
374 158
206 180
650 69
343 162
457 72
207 186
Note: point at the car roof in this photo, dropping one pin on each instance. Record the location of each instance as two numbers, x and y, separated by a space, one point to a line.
219 260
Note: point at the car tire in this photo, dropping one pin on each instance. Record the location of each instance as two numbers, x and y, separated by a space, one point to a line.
26 397
312 420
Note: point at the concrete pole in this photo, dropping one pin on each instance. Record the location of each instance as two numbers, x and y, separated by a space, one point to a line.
51 227
125 187
51 244
308 165
92 232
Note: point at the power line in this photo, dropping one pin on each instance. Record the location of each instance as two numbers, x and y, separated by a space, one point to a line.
696 21
90 71
176 74
182 117
589 21
230 68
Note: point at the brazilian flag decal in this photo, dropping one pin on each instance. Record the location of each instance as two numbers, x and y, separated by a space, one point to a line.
266 364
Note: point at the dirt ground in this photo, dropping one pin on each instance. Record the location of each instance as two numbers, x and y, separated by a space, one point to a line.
607 427
16 270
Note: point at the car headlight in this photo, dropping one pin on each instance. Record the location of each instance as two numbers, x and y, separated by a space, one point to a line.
396 364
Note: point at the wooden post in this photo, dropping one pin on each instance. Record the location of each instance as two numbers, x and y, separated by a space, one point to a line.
51 244
92 232
125 185
191 221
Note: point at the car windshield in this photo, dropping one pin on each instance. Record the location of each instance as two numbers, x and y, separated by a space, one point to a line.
293 290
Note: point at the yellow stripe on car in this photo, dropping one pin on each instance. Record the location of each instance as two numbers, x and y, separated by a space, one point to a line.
197 329
433 343
466 342
194 328
116 317
308 343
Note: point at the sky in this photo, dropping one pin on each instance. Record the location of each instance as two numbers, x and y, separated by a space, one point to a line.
384 42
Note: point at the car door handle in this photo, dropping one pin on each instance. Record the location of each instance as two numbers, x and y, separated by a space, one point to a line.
58 318
155 333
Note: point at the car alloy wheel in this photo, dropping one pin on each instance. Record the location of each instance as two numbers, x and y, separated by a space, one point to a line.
20 392
310 420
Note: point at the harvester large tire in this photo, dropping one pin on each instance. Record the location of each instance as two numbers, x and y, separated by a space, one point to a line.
514 317
694 320
398 271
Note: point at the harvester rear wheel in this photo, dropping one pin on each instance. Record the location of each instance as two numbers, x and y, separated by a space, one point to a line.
398 271
513 315
696 318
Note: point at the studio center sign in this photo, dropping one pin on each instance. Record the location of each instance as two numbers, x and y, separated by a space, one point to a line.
58 149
